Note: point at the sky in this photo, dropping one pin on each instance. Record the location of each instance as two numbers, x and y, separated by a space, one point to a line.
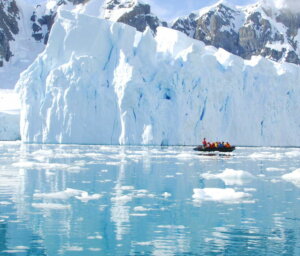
170 9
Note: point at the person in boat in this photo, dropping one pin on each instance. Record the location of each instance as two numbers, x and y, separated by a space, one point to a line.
204 143
227 145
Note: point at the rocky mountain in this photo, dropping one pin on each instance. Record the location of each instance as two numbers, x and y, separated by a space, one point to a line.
136 14
9 15
246 31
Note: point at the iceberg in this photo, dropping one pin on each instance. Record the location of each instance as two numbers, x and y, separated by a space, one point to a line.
104 82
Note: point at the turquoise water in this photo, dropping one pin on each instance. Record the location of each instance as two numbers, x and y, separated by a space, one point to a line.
101 200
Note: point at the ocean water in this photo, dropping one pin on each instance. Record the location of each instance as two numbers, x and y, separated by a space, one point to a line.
110 200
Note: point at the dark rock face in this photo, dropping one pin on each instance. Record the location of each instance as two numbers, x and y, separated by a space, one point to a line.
39 22
9 15
222 27
139 17
187 26
78 1
209 29
254 35
41 26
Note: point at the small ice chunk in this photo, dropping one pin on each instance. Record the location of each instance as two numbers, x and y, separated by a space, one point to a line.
227 195
94 249
169 176
171 226
250 189
293 177
140 209
21 247
122 198
74 249
127 187
95 237
144 243
138 214
273 169
63 195
231 176
49 206
85 197
166 194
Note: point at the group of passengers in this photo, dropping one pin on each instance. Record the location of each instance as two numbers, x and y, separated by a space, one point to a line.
215 144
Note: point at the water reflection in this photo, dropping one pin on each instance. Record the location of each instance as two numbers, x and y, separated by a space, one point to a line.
100 200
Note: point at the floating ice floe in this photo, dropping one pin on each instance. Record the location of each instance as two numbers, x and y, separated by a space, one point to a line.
231 176
171 226
292 154
227 195
122 198
266 155
67 194
50 206
85 197
166 194
39 166
140 209
74 248
94 249
293 177
274 169
63 195
97 236
139 214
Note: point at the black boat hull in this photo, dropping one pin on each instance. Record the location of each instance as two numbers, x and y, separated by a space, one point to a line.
202 149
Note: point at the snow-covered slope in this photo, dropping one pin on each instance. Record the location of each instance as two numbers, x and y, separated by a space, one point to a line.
105 83
9 115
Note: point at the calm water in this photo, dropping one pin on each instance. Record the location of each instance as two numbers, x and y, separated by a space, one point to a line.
100 200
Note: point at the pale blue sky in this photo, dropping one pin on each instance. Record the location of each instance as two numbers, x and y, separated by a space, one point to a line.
169 9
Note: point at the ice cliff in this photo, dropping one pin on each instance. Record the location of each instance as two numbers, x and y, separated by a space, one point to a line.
106 83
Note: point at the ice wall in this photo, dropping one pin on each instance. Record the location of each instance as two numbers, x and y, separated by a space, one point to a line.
105 83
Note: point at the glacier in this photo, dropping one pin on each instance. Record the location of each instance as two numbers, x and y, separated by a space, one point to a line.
9 116
103 82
